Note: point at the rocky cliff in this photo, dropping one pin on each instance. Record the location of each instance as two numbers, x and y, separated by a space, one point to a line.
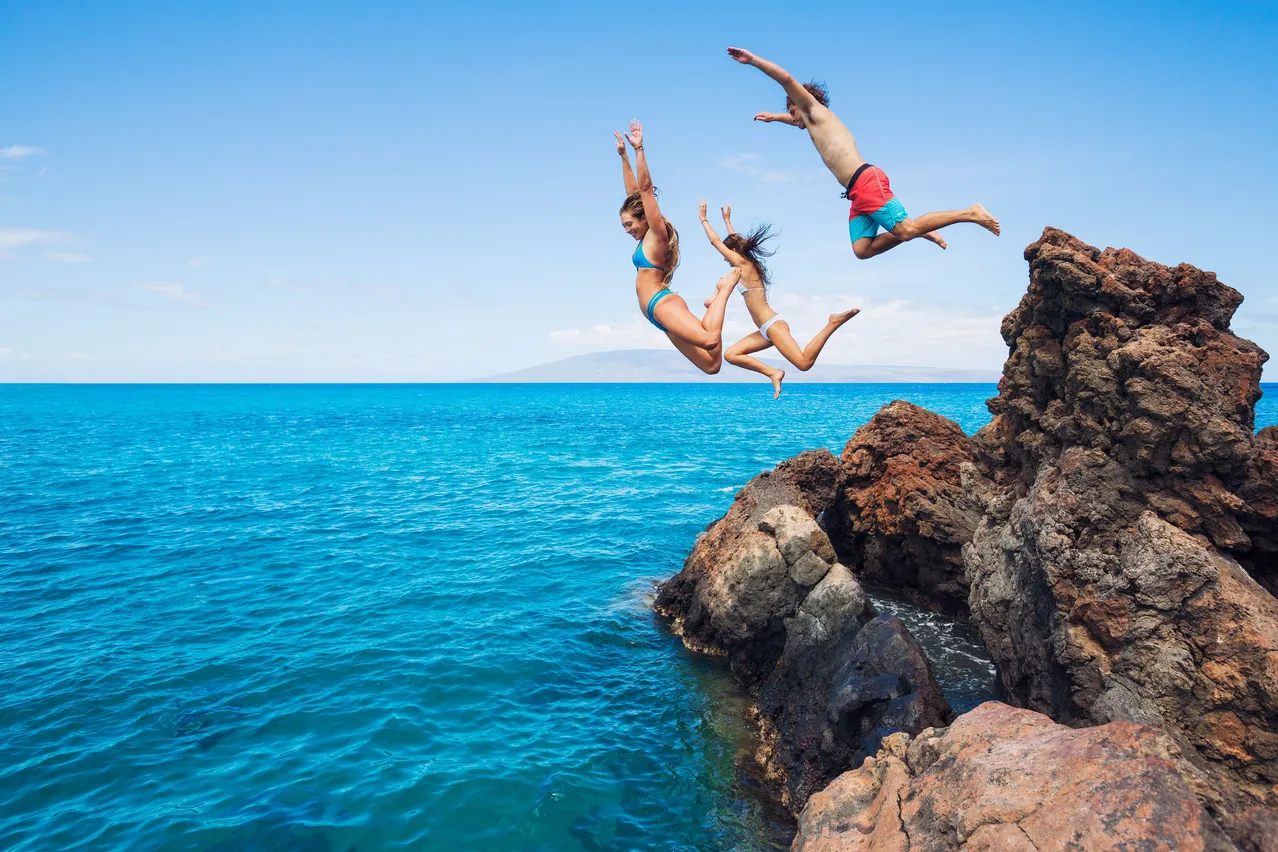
1112 533
1104 573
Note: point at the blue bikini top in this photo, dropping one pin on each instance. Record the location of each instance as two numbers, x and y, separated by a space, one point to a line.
641 259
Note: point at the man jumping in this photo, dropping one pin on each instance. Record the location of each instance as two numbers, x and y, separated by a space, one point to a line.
873 204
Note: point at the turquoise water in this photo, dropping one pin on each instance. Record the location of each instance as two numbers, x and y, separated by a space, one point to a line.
385 617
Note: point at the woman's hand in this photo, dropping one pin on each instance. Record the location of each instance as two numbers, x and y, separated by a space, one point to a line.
621 143
701 209
741 55
636 134
726 210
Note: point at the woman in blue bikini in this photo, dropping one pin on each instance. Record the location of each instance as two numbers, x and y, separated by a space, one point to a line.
746 254
700 340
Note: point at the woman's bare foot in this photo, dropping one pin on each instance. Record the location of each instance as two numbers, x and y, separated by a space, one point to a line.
777 379
934 237
984 219
837 320
729 280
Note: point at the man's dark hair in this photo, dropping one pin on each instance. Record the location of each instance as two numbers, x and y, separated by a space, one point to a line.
818 90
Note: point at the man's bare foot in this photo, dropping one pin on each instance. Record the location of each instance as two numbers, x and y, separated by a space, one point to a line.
776 383
984 219
934 237
841 318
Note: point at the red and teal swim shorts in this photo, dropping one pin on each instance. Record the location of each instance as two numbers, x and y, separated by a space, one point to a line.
873 204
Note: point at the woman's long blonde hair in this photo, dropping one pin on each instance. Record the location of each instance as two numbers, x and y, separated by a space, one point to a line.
634 206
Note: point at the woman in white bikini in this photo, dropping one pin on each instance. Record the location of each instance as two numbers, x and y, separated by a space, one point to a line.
746 254
700 340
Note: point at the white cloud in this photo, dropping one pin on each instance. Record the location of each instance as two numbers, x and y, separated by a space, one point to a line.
895 332
636 333
12 239
746 164
68 257
9 354
197 262
17 152
172 289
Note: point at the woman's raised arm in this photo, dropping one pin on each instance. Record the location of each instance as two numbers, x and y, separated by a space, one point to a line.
627 174
651 211
728 254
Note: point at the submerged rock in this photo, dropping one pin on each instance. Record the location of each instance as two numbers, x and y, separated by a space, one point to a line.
1001 778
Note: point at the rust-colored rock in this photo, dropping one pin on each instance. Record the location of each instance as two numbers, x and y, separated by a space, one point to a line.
901 517
1105 574
1006 779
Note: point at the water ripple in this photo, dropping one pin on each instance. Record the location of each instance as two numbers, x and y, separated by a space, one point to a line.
335 618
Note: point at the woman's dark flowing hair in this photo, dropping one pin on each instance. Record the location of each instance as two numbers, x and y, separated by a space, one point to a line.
634 206
750 246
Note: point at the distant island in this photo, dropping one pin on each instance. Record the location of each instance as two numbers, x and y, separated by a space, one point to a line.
657 365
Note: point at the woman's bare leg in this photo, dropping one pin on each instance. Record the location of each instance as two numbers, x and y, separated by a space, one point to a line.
739 355
700 340
804 358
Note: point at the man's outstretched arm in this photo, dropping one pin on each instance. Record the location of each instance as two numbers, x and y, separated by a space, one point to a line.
801 97
783 117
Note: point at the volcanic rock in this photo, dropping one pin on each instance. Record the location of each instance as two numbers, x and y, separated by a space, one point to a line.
762 587
1002 778
902 516
1105 573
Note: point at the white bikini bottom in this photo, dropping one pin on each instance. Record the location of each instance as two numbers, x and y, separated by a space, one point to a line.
763 329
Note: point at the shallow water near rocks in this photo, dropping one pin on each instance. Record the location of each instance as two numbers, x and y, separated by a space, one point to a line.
379 617
960 663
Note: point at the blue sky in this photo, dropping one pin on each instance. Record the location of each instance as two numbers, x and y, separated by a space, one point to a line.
422 192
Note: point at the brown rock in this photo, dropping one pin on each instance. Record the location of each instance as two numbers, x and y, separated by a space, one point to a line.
901 517
1000 778
762 588
1104 573
735 587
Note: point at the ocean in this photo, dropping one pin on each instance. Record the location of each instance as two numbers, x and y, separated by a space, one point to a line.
387 617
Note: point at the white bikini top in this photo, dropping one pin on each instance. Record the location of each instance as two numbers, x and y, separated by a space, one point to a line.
744 290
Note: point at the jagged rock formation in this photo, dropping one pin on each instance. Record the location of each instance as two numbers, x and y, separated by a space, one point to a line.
735 589
1103 573
1117 523
763 588
900 517
1009 780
